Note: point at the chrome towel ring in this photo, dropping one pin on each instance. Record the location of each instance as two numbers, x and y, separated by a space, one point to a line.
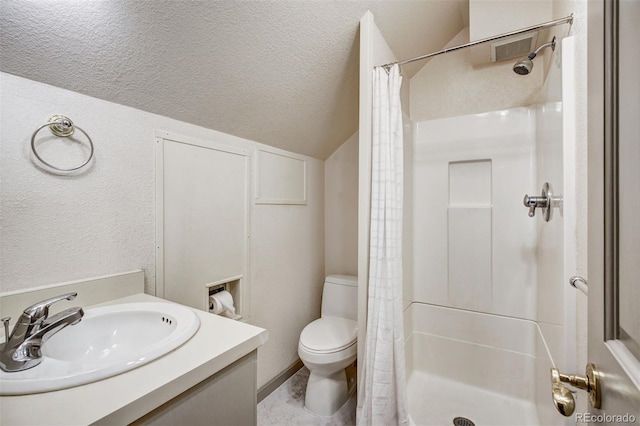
62 126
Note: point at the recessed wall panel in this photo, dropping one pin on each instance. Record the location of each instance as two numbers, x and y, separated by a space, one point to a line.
470 258
470 183
281 179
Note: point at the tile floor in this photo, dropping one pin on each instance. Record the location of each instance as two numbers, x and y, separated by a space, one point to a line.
285 406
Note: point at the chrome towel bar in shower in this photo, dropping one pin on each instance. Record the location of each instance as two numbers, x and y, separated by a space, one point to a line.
61 126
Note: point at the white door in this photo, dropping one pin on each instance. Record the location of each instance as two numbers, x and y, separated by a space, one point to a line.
614 204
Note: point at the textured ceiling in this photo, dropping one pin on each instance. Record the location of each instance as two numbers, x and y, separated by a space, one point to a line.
283 73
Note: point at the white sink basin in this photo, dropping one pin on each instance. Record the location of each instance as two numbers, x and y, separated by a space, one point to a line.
108 341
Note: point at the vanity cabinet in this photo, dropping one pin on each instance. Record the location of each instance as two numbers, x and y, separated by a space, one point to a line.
226 398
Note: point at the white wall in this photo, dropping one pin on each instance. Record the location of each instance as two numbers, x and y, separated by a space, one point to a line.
557 247
408 235
490 17
341 209
287 272
57 229
551 237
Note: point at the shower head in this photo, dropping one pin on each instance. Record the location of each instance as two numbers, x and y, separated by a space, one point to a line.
524 66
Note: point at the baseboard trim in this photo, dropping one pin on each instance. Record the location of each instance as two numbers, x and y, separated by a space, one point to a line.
274 383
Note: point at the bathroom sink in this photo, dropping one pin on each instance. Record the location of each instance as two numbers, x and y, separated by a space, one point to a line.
108 341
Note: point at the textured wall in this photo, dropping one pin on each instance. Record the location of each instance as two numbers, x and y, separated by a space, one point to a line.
291 66
57 229
341 209
451 85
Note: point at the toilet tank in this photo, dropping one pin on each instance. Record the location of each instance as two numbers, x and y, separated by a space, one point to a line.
340 297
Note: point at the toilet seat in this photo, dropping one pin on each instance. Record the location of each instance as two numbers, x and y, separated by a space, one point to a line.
329 335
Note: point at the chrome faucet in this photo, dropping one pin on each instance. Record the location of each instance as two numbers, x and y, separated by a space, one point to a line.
22 349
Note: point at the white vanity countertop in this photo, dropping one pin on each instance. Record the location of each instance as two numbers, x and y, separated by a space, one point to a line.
126 397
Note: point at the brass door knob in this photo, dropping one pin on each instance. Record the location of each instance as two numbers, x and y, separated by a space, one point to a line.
563 398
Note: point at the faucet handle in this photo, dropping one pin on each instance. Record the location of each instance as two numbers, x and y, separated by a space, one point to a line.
41 309
544 202
5 321
533 203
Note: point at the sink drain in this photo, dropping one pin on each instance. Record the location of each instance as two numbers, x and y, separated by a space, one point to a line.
463 421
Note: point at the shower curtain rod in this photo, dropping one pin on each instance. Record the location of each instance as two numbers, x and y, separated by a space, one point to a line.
565 20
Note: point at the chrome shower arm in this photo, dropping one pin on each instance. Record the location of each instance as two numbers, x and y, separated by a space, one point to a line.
551 44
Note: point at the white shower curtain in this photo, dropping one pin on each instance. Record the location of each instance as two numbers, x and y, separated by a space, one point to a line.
382 397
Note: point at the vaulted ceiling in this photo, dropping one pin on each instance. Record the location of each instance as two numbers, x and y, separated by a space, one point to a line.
281 72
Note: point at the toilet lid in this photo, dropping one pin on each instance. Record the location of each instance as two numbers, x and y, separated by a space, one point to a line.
329 334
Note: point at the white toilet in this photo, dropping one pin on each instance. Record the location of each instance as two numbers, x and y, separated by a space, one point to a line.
328 345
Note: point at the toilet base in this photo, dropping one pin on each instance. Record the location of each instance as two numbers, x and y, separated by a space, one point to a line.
326 393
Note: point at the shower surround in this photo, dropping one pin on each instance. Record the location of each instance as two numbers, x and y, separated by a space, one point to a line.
487 304
487 310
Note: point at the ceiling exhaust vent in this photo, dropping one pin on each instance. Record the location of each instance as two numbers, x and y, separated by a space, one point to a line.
513 47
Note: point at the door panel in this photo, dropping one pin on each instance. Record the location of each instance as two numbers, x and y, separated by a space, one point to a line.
614 232
629 172
202 227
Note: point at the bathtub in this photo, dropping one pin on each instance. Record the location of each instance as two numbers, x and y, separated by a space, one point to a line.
490 369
